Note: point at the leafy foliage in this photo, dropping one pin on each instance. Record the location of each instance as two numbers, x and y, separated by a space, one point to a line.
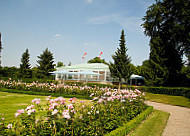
60 64
167 23
97 60
9 72
45 63
121 68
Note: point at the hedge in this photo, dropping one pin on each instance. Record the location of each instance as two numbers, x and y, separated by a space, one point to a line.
176 91
126 128
44 94
29 80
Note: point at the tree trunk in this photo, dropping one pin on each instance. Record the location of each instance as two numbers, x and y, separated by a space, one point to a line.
119 86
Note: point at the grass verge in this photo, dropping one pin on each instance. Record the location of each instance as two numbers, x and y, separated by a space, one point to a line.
153 125
168 99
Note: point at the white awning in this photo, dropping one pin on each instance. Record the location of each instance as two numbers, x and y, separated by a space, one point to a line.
133 76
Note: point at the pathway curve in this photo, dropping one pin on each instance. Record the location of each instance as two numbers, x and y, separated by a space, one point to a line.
179 121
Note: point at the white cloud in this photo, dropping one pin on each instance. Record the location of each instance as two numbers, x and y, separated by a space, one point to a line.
102 19
89 1
130 23
57 35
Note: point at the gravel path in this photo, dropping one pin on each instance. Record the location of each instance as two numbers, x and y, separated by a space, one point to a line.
179 120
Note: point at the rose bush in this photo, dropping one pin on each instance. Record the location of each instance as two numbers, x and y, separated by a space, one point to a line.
102 115
54 88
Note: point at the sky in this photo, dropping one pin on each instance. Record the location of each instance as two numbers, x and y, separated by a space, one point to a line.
69 28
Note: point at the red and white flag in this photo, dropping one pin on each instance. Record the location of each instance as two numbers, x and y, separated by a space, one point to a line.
100 55
84 55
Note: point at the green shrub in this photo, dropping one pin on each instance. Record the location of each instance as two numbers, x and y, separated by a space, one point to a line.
29 80
103 115
126 128
176 91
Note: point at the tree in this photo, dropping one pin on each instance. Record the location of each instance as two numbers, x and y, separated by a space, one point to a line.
152 72
188 60
121 68
25 65
97 60
0 49
60 64
167 23
11 72
45 63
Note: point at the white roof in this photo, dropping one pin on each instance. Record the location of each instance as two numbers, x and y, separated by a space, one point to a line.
86 66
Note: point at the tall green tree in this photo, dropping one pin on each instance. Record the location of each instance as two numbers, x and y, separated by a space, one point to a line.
45 63
121 68
97 60
60 64
167 24
0 50
25 65
151 71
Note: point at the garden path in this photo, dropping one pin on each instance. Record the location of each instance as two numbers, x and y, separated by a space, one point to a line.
179 121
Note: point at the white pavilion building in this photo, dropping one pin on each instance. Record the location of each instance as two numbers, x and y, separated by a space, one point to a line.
91 72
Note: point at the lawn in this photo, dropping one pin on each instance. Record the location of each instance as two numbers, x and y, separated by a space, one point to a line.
169 99
153 125
11 102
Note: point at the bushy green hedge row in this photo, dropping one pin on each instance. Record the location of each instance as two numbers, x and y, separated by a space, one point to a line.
44 93
126 128
30 80
176 91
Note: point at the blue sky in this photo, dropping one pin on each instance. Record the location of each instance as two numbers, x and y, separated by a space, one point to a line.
69 28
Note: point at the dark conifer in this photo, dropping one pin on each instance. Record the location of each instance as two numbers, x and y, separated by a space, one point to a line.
45 63
121 68
25 65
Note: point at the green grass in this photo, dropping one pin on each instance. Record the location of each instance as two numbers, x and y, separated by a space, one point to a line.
153 125
168 99
11 102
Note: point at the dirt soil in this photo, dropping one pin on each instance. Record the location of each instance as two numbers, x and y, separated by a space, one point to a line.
179 121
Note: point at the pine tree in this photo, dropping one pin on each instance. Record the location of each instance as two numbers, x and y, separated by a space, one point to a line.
121 68
45 63
25 65
0 49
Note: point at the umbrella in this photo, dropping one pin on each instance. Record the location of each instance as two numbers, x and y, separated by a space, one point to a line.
136 77
133 76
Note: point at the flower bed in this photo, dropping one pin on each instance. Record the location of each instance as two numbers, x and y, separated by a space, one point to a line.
53 88
104 114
